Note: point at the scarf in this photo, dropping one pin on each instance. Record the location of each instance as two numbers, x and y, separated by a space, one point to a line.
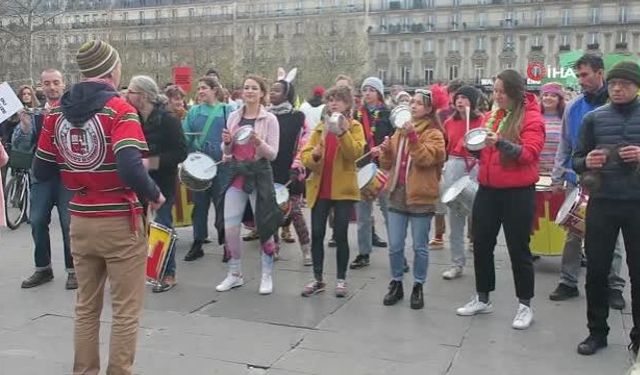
281 109
419 127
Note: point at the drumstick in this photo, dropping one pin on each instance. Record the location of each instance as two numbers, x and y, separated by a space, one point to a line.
466 111
288 183
364 156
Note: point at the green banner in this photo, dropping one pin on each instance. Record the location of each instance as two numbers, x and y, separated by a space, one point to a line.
612 59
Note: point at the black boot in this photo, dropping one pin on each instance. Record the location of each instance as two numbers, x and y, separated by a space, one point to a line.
332 241
616 300
360 262
592 344
195 252
417 298
375 240
395 293
563 292
38 278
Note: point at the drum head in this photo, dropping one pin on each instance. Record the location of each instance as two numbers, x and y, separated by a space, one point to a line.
544 183
365 174
455 189
242 135
282 193
200 166
400 116
567 206
476 137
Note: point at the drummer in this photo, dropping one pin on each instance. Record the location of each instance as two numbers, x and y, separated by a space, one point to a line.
167 149
251 180
330 154
203 129
414 155
459 164
506 195
374 117
287 167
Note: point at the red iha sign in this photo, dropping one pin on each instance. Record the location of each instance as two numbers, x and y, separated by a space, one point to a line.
182 76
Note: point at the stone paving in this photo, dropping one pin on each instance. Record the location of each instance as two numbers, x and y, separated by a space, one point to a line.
192 329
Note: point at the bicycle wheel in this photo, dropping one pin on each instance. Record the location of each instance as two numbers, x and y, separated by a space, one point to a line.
15 203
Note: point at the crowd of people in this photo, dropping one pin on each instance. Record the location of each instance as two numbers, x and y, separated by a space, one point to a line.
107 156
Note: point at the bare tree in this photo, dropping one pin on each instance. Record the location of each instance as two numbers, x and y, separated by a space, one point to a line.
27 20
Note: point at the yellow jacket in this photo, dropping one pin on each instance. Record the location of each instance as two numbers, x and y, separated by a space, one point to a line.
344 179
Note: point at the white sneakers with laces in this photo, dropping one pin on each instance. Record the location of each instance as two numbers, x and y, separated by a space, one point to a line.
475 306
266 284
232 280
523 318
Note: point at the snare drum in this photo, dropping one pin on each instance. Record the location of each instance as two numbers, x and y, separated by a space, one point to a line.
573 212
197 171
371 181
460 195
242 135
400 115
161 245
475 139
547 237
282 199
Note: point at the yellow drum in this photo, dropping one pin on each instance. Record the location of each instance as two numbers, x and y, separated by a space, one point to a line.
161 244
547 237
183 206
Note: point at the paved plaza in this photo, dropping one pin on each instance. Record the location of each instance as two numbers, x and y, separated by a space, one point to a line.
193 329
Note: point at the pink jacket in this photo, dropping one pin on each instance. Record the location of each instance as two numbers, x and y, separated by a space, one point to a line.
4 158
267 129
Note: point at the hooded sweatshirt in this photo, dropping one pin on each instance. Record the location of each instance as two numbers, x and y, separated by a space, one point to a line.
95 140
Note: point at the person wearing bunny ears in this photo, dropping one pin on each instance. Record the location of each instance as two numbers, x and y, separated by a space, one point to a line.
459 163
287 167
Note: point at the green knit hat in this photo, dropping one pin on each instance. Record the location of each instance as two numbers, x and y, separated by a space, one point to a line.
97 59
625 70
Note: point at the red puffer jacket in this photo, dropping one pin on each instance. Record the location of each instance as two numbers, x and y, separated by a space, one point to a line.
523 171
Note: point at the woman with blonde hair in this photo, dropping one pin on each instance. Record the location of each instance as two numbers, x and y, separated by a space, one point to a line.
506 195
414 155
27 96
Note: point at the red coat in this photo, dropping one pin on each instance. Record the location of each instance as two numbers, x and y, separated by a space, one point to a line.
523 171
455 129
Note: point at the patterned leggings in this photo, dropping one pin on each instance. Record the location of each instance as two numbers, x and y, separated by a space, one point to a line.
297 218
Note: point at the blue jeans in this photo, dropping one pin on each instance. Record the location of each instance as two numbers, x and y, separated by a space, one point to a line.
165 217
45 195
420 227
365 223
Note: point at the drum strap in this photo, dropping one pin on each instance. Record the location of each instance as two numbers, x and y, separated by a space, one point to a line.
469 163
207 126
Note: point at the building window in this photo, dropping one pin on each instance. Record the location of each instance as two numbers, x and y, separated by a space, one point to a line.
478 73
174 13
406 46
593 37
299 28
594 15
406 75
509 43
480 42
566 17
455 21
622 37
482 19
453 44
431 23
537 40
564 38
622 14
141 16
453 72
428 76
382 74
125 16
428 45
539 18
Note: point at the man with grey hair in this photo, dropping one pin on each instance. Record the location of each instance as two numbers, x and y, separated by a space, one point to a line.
46 194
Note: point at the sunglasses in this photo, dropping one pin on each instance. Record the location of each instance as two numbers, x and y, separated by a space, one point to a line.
425 93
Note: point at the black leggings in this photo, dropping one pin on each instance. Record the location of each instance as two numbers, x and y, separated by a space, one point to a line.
319 215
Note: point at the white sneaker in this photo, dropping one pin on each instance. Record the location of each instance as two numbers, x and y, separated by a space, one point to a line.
266 284
474 307
523 318
230 282
452 273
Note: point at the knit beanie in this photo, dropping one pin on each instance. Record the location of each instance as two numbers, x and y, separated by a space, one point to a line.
470 93
96 59
375 83
625 70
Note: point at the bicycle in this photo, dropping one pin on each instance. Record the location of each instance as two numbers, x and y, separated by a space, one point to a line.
17 189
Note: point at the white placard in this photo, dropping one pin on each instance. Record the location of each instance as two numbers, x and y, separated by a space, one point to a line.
9 102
